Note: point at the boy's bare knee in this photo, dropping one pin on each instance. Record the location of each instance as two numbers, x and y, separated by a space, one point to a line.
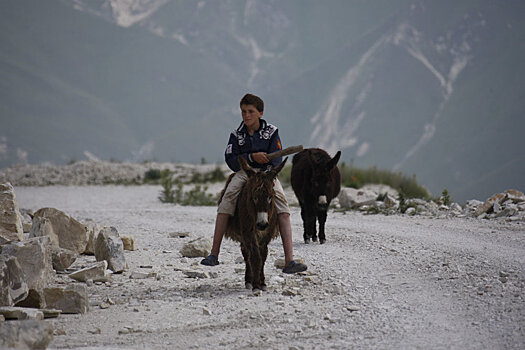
283 215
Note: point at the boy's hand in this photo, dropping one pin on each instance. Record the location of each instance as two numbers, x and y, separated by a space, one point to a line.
260 157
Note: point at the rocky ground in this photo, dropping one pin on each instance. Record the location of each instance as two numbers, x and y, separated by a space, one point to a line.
380 281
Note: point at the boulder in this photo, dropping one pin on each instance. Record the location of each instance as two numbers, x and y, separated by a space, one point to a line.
34 258
129 243
11 228
515 195
51 313
28 334
471 206
355 198
64 231
506 212
381 189
96 272
199 247
390 202
410 211
72 299
488 206
62 258
92 233
13 288
21 313
27 219
109 247
139 275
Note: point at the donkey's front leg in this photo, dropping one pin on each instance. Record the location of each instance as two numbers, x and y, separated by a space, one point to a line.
255 264
308 216
264 254
248 276
321 215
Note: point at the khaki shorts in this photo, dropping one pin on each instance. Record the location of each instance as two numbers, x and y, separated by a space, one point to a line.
229 199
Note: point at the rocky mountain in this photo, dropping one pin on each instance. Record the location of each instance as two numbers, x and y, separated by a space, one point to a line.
422 87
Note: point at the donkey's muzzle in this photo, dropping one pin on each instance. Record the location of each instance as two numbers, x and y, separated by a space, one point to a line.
261 226
322 203
262 221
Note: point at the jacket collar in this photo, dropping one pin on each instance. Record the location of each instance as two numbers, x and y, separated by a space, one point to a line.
242 128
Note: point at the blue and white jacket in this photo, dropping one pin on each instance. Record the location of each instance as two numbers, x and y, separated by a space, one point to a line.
266 139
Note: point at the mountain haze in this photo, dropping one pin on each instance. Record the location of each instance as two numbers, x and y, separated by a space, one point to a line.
431 88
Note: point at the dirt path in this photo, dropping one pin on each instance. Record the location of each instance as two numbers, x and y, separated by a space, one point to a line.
380 282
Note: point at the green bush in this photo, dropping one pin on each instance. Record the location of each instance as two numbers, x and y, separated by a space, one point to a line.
152 175
356 177
445 197
196 196
216 175
167 195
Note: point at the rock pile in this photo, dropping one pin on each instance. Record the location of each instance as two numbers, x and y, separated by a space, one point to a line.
94 173
508 205
30 260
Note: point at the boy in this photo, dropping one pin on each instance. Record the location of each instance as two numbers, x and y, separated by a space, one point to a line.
253 139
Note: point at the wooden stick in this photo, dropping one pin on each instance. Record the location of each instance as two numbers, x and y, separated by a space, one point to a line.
284 152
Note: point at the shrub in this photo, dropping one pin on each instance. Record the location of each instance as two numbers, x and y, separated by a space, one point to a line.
216 175
404 204
167 195
152 175
356 178
445 197
196 196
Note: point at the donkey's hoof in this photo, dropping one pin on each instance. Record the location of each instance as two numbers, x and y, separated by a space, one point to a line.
307 241
321 241
314 239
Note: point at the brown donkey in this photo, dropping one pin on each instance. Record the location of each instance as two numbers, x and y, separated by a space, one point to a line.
255 223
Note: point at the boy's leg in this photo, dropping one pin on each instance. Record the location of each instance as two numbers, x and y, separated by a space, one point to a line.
220 227
285 227
291 266
224 211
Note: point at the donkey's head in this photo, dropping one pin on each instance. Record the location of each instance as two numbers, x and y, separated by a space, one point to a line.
260 191
321 181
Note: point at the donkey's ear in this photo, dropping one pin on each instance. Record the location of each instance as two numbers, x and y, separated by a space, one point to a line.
275 171
334 160
245 166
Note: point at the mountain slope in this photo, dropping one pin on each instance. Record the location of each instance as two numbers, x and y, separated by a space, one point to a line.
423 87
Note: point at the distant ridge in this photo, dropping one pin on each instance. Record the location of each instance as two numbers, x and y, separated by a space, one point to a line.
423 87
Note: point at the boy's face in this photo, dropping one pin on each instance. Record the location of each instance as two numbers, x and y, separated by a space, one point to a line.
251 116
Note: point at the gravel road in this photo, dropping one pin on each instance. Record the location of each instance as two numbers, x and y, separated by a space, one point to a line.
380 282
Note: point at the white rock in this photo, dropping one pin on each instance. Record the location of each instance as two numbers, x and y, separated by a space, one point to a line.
11 228
13 287
96 273
353 198
199 247
109 247
63 231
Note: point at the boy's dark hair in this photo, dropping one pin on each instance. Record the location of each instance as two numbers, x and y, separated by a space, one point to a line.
253 100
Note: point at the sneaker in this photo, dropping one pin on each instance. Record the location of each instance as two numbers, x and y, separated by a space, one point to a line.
210 260
294 267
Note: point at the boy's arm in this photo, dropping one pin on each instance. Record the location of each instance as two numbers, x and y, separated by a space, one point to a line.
232 153
275 145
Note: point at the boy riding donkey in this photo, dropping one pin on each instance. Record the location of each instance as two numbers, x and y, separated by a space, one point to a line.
254 139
